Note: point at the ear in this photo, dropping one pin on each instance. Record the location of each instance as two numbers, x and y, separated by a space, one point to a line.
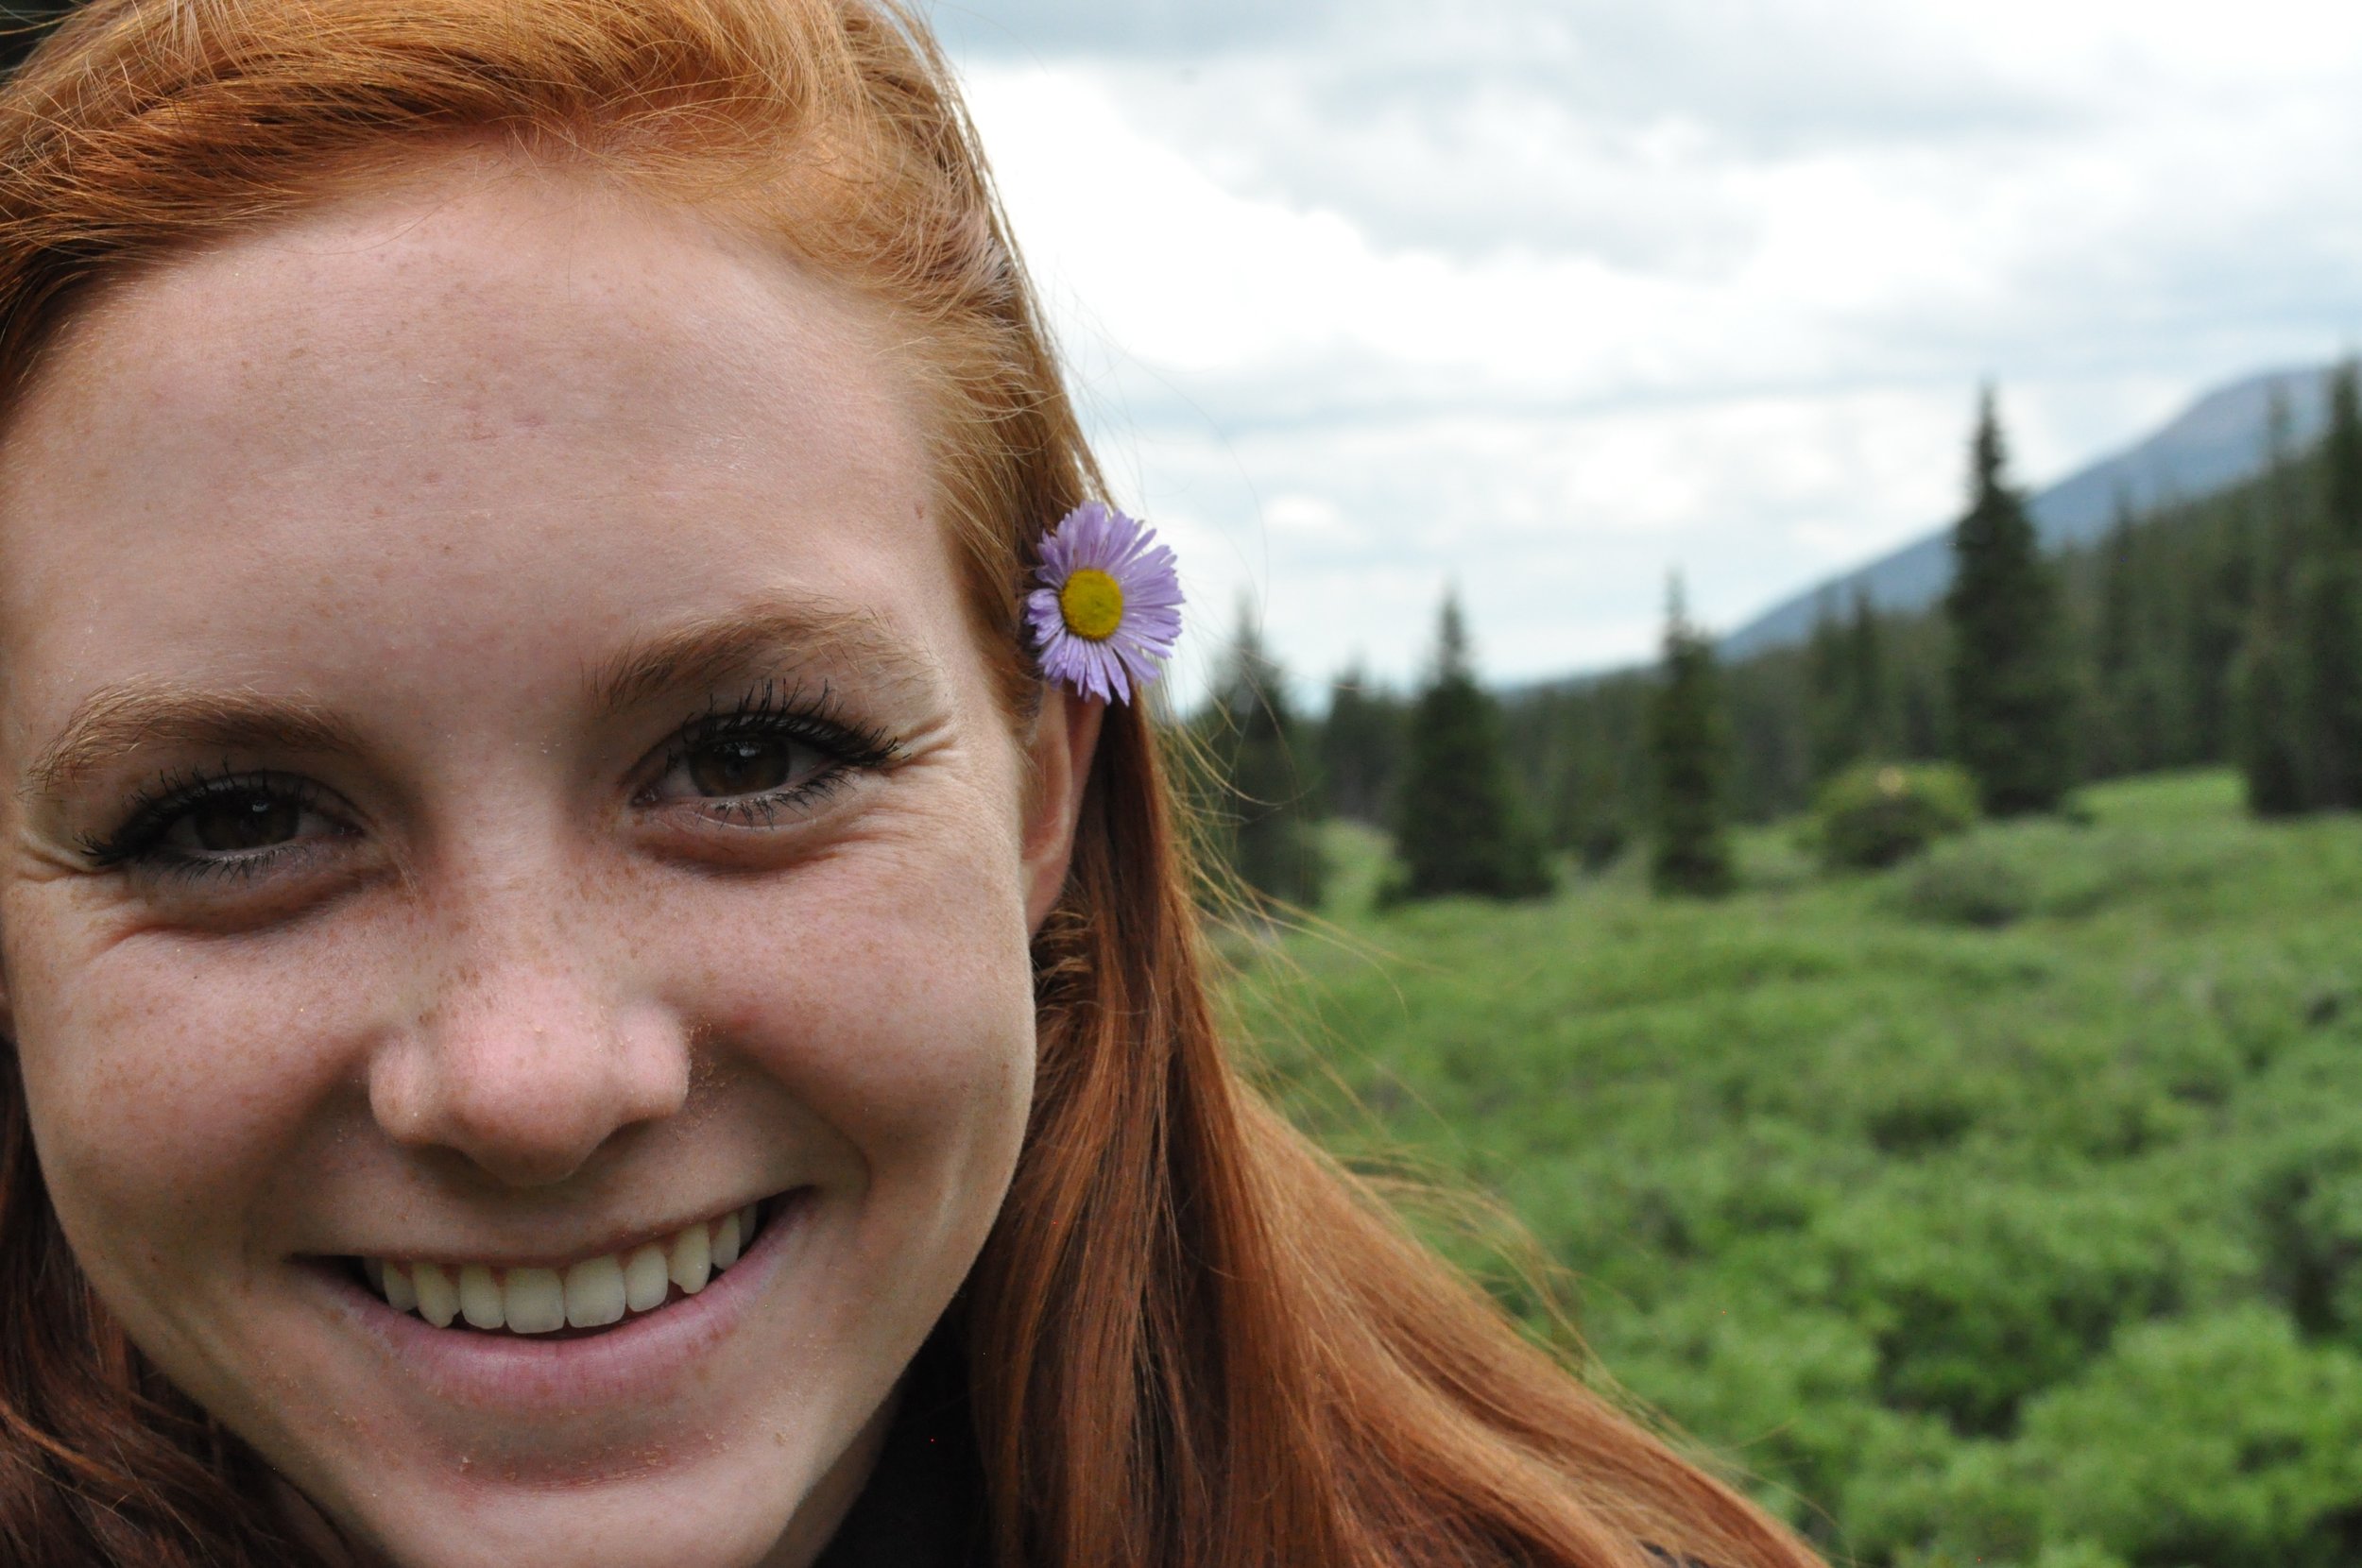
1065 737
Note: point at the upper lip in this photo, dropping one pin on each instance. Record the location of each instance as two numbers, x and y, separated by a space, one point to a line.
619 1241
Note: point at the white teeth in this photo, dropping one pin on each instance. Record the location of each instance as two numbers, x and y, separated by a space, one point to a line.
647 1279
438 1299
535 1299
480 1296
593 1293
691 1263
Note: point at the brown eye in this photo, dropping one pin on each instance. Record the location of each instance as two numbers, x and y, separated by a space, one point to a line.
768 762
744 765
241 822
231 824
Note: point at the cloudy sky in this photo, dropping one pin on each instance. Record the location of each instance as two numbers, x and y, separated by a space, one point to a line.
1548 298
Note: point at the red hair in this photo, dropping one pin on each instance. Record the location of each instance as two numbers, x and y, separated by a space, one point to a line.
1191 1338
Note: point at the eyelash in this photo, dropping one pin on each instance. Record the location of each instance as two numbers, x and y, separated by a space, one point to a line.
156 809
766 713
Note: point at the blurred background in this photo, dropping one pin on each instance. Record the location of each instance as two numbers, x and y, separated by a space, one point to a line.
1777 644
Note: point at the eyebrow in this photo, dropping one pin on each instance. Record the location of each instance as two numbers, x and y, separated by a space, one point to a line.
121 720
152 711
118 720
704 652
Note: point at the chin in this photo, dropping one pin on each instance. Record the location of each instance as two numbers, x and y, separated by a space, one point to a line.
725 1425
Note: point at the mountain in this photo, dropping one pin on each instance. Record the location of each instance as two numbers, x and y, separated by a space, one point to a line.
2217 441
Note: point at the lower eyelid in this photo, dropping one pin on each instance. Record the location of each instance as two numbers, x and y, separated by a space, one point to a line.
167 877
771 805
158 859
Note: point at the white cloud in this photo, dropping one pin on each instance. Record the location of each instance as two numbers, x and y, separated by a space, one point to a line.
1552 297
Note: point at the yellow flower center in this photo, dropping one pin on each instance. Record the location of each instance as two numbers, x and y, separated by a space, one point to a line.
1092 603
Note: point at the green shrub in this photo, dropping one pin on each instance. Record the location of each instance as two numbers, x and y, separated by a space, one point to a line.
1980 1295
1874 815
1968 889
2220 1439
2037 1249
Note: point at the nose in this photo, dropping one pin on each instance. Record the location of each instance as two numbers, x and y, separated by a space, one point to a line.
527 1054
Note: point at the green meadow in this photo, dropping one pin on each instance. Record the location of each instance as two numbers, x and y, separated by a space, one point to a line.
2003 1207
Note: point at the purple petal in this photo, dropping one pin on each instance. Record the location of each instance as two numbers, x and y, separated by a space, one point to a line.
1041 609
1088 668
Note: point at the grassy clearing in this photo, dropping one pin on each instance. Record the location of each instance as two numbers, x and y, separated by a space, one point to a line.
2006 1207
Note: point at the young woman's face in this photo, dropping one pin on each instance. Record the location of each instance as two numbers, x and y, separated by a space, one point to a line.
498 778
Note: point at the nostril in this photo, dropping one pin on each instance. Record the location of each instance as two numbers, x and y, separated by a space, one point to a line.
529 1102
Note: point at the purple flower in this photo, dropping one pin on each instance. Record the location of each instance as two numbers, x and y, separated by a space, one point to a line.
1109 608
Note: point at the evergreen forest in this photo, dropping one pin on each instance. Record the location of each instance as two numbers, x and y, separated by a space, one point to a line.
2223 629
1924 1075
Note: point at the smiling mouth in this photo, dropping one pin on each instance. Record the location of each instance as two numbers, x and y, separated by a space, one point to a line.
590 1295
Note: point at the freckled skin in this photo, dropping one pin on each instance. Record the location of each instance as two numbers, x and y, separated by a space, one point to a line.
422 460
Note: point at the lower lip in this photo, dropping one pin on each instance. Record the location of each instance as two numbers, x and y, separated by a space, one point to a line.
639 1360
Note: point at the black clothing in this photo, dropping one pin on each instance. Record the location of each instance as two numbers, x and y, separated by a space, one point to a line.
924 1506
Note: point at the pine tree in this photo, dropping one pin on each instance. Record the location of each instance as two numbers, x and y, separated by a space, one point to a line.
1361 748
2265 732
2265 718
2328 620
1846 689
1588 815
1828 695
1264 818
1923 716
2116 652
2011 697
1589 770
2224 598
1918 662
1689 748
2343 453
1460 826
1866 658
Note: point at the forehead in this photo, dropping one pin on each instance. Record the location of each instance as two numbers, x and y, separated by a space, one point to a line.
477 289
490 368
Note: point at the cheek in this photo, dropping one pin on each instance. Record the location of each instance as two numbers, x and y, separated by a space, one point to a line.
888 991
166 1087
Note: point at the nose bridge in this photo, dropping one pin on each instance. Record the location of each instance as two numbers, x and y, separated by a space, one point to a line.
526 1048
